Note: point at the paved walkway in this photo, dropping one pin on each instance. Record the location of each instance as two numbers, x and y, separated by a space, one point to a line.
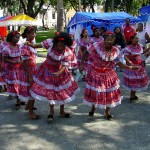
130 129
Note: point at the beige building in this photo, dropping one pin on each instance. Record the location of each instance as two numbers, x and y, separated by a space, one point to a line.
69 15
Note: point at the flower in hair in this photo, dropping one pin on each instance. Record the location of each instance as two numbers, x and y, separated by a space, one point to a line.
109 32
15 33
56 33
61 39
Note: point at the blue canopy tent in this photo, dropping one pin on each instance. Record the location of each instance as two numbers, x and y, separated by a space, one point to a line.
145 10
108 20
144 13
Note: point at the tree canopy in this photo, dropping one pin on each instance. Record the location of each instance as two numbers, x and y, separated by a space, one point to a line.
33 7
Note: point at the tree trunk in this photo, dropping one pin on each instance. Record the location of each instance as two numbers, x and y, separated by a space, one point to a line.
106 6
60 15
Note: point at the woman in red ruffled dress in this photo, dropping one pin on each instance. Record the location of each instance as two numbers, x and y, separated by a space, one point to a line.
53 82
135 81
83 44
94 38
29 63
15 75
102 85
2 66
73 60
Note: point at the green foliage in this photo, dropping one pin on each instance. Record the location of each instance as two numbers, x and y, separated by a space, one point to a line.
43 35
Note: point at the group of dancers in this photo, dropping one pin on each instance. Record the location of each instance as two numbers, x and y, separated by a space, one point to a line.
54 83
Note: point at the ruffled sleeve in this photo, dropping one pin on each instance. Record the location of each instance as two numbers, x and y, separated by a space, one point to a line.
126 51
5 51
66 57
1 48
25 52
47 43
99 48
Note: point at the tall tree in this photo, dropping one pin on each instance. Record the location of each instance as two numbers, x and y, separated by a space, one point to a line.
60 16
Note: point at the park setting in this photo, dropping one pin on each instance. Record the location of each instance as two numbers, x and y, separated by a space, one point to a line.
74 74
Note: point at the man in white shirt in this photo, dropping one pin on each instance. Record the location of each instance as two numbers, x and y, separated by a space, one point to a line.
143 35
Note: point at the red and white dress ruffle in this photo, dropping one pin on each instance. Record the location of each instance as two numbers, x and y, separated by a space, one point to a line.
92 41
29 54
135 80
83 45
2 72
102 86
47 87
73 60
15 74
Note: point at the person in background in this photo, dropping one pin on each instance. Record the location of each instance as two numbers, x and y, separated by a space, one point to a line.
29 63
134 80
128 31
83 44
15 74
120 43
73 60
102 32
2 66
143 39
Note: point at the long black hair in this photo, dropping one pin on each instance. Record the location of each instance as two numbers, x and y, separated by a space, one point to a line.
27 31
63 37
11 35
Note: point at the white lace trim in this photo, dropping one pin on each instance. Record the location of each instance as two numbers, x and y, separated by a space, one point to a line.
53 102
135 77
52 87
103 54
74 46
3 83
56 57
102 106
17 82
72 67
50 43
136 89
98 90
10 53
65 63
130 51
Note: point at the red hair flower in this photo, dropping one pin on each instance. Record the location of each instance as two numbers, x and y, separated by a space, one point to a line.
109 32
15 33
61 39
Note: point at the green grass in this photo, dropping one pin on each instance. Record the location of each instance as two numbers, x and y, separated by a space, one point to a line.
43 35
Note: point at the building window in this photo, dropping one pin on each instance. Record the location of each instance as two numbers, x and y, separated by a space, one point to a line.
53 15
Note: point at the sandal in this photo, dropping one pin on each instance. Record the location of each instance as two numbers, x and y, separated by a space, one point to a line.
22 103
50 118
136 97
109 117
17 106
91 114
66 115
11 97
27 108
34 117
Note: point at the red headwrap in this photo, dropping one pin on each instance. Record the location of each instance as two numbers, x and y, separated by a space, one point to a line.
71 35
109 32
56 33
83 30
30 28
61 39
15 33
